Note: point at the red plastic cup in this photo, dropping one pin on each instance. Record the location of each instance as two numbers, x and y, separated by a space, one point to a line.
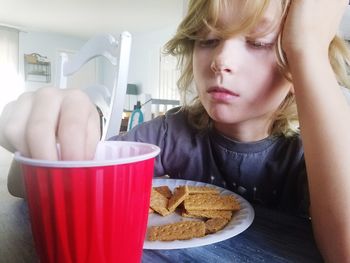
91 211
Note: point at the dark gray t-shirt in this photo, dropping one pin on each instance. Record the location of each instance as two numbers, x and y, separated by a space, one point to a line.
270 172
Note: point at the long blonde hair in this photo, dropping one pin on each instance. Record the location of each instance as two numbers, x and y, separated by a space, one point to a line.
204 14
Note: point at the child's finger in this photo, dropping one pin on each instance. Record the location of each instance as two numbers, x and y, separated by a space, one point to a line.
42 124
74 125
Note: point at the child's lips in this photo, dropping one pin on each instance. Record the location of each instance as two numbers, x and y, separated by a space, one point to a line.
220 93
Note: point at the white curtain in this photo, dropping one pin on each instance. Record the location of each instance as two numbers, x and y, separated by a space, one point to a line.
168 76
11 84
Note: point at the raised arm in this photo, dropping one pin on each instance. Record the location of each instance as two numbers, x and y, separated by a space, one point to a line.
37 121
324 119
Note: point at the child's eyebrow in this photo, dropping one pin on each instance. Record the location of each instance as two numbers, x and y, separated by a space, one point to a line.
263 24
264 27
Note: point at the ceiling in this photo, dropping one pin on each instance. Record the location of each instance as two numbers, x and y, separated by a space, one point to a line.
85 18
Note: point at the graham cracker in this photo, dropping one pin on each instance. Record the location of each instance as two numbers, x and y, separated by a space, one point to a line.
225 214
159 203
202 190
215 224
177 231
164 190
180 193
211 202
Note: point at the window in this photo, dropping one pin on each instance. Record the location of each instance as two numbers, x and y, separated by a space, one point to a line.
168 76
168 95
11 84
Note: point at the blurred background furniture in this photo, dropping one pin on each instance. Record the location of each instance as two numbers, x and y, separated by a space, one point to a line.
149 107
110 90
37 68
154 107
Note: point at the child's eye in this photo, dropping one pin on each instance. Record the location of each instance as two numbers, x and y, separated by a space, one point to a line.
212 42
259 44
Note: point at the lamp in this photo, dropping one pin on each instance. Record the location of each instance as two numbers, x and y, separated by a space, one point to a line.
132 90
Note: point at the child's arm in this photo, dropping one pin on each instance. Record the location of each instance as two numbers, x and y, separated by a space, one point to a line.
15 184
324 119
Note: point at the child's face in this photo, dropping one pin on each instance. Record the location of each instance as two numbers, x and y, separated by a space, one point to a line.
237 79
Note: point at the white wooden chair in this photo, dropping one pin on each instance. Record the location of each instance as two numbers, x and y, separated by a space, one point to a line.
109 100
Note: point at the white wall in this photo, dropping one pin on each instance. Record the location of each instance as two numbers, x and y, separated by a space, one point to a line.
48 45
144 61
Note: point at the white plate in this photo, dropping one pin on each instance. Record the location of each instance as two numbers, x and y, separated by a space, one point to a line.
240 221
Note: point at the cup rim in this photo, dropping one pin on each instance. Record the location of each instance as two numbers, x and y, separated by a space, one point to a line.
154 151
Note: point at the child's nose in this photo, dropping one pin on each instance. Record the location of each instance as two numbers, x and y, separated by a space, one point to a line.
226 58
219 66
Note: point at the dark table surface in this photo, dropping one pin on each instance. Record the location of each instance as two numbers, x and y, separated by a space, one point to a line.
273 237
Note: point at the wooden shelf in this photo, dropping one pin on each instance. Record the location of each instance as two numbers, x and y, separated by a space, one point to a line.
37 68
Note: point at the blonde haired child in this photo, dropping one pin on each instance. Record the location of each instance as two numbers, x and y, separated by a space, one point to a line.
257 70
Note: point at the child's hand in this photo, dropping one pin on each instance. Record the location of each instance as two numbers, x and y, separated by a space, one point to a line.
311 25
37 121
